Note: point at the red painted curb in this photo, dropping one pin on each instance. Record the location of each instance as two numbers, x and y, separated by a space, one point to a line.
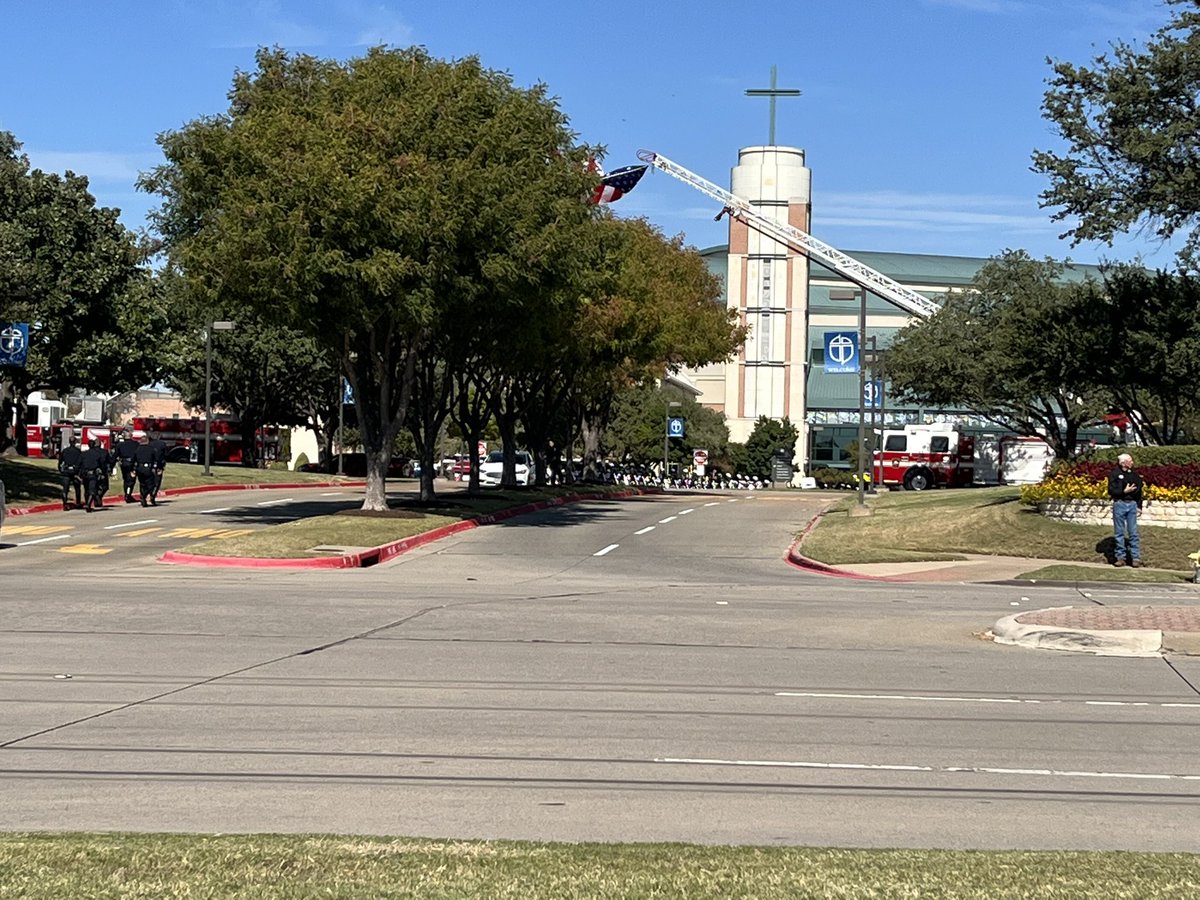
197 489
375 555
794 557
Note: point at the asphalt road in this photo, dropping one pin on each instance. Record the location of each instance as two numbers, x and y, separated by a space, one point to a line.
648 669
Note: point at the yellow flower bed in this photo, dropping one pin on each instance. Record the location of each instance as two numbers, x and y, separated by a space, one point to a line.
1075 487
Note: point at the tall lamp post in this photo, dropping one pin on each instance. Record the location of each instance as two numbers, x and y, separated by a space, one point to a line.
212 326
667 435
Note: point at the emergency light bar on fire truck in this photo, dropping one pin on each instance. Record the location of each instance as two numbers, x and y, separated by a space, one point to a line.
846 266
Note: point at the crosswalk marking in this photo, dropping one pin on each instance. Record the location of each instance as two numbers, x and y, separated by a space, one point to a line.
88 549
35 529
138 532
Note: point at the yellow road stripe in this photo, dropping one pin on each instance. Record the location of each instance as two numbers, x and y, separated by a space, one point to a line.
232 532
35 529
89 549
138 532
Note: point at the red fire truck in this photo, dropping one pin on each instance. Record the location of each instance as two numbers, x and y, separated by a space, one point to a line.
925 456
184 437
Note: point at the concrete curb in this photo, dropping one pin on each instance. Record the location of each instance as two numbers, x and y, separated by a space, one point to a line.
375 555
197 489
1137 643
794 557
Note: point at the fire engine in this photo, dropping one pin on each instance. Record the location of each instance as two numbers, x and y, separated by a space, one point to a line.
184 437
924 456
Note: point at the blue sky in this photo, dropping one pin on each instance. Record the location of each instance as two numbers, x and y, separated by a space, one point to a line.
918 117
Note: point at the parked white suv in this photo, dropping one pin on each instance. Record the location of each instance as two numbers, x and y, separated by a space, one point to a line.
493 467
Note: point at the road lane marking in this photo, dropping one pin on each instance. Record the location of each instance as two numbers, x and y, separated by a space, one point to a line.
333 493
87 549
54 537
192 532
644 530
217 510
139 532
230 532
273 502
35 529
684 512
732 500
608 549
933 698
900 767
714 503
667 519
131 524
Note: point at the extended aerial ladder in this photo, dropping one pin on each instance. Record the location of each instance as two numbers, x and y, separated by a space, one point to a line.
846 266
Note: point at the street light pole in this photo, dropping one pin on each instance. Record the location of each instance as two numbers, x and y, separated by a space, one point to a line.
212 326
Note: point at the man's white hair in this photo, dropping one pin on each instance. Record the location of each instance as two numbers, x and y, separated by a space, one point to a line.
1123 457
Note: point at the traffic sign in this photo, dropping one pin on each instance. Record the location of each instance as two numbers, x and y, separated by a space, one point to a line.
699 457
841 352
14 344
675 427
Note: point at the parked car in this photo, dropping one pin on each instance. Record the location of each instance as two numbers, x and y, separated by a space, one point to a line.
355 464
493 467
461 470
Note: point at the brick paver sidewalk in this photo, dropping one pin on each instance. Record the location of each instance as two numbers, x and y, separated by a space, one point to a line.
1107 618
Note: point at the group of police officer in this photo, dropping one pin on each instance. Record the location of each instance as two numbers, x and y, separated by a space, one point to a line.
141 462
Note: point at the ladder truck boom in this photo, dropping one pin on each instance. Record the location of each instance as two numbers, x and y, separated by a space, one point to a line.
846 266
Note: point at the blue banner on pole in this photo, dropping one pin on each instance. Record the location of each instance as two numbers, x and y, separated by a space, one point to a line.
675 428
841 352
347 393
873 394
14 344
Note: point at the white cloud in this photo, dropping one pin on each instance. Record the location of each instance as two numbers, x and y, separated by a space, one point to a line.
98 166
1002 7
944 213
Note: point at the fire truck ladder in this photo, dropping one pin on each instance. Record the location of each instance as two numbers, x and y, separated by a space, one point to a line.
846 266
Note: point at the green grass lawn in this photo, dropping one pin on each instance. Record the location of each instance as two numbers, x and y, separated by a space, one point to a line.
71 866
943 524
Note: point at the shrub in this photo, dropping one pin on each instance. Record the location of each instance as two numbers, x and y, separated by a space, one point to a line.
301 460
833 478
1178 455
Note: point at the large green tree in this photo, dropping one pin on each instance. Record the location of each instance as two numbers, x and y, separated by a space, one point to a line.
1015 348
1149 361
77 276
354 201
1130 122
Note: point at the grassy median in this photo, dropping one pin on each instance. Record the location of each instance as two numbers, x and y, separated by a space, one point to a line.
945 524
354 529
71 866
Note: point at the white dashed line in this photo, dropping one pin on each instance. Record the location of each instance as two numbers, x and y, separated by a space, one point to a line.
333 494
899 767
732 500
217 510
667 519
684 512
609 549
714 503
57 537
131 524
273 502
644 530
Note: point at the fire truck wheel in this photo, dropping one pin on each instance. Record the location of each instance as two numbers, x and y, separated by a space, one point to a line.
917 479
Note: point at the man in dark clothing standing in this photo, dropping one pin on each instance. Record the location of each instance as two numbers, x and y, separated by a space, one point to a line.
125 450
1125 489
144 463
70 465
159 446
97 463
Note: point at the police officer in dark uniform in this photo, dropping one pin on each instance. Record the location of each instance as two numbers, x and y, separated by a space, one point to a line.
159 446
70 465
147 476
125 450
97 463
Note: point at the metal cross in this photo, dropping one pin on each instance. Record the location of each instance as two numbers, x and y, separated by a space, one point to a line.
772 92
